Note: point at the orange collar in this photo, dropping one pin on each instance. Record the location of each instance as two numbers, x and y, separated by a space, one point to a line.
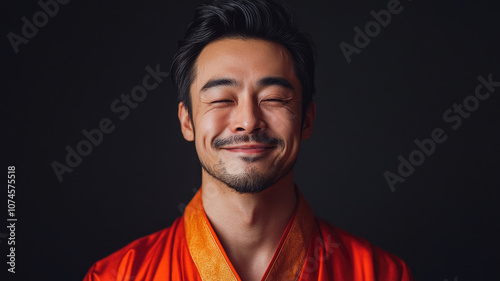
212 262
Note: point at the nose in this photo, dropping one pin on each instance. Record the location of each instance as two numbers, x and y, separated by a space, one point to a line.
247 117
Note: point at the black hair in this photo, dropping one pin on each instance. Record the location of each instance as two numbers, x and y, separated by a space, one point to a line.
259 19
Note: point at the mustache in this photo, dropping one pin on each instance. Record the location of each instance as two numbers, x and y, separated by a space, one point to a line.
238 139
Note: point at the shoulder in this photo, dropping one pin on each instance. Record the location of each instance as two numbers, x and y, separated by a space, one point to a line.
143 252
355 252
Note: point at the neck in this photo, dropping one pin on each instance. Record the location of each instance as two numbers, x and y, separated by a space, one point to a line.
249 226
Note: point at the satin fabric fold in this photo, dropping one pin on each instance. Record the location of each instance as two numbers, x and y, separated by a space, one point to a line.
213 263
310 249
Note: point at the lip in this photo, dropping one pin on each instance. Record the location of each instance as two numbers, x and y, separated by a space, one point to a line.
250 148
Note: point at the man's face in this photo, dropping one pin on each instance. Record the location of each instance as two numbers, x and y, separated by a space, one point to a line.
246 111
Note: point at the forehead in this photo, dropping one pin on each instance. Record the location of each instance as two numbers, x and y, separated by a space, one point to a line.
245 60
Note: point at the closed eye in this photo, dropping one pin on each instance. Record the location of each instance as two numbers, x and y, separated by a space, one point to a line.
276 100
221 101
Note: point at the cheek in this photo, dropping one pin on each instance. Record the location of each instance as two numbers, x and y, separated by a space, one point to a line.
284 122
209 126
287 127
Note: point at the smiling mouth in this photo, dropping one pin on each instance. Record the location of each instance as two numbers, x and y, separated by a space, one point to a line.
250 149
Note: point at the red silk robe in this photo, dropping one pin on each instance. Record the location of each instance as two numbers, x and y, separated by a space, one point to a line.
310 249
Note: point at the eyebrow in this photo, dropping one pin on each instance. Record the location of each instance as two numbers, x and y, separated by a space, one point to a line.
219 82
275 81
266 81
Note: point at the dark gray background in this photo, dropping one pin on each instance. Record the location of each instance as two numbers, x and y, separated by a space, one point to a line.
443 220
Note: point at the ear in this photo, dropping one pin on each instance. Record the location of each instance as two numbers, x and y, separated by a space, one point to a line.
185 121
307 125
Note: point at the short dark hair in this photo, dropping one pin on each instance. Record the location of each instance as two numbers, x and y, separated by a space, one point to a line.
259 19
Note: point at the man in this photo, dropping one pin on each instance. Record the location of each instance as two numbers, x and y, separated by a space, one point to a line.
245 78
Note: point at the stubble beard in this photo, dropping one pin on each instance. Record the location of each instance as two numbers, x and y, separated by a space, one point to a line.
251 180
